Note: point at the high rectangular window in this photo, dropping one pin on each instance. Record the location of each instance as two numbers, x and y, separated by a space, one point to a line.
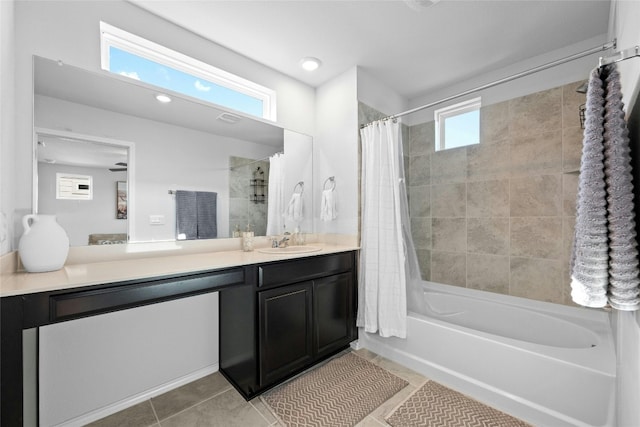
458 125
137 58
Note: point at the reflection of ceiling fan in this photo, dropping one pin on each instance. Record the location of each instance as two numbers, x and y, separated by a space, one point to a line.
122 169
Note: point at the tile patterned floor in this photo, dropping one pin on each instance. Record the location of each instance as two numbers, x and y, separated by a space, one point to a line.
212 401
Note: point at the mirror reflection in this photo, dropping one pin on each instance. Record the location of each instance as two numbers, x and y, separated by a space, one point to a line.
85 183
185 145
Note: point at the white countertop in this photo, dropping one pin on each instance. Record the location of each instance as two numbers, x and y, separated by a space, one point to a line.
93 273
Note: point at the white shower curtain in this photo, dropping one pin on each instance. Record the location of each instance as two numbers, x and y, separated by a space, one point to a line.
387 257
276 206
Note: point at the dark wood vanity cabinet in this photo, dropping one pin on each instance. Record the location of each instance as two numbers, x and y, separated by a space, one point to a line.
297 313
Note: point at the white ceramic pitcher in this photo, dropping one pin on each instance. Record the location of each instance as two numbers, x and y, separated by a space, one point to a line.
44 246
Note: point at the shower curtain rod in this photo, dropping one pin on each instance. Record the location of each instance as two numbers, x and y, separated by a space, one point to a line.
253 161
606 46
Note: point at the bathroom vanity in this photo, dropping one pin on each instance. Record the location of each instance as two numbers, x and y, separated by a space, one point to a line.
289 316
279 314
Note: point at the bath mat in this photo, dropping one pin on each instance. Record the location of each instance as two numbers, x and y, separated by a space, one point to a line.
340 393
436 405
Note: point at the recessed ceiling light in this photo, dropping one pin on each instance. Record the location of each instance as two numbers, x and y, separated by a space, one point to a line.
309 63
161 97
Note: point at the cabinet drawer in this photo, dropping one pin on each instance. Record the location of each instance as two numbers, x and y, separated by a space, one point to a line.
285 272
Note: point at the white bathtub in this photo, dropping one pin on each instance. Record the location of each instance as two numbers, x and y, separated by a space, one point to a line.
548 364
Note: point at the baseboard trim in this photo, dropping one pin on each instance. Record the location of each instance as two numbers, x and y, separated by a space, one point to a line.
130 401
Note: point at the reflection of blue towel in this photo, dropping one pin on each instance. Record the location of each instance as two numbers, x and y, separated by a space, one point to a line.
196 215
206 206
186 215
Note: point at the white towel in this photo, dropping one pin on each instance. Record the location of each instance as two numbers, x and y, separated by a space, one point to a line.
294 209
328 206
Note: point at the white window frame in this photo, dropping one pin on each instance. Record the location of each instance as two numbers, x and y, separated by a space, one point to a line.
123 40
442 114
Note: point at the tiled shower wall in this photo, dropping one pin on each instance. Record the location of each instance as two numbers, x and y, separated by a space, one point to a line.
242 210
499 216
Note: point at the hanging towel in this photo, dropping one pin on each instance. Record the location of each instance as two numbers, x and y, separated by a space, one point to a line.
294 208
328 206
623 253
196 216
186 215
604 262
206 207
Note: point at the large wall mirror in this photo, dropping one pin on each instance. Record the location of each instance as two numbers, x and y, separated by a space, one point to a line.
106 134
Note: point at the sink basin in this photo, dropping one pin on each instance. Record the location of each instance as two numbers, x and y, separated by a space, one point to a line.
289 250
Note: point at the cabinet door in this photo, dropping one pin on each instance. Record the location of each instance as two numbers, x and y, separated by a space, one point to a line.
333 312
285 331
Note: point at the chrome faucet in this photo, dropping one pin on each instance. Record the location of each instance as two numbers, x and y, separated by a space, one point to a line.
283 242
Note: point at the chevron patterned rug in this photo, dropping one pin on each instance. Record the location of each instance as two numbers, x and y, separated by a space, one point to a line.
436 405
340 393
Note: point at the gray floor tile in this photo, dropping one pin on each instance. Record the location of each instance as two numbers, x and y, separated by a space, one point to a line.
136 416
228 409
188 395
264 410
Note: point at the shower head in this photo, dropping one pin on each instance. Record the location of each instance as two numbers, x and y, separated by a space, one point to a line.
582 88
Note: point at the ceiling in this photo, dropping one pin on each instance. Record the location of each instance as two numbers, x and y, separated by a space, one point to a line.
413 46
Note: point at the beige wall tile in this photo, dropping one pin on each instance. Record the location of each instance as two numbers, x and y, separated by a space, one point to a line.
536 196
449 200
494 122
421 232
569 193
488 235
488 273
407 171
420 170
419 201
539 279
538 237
571 100
449 268
449 234
405 133
449 166
488 198
568 230
424 261
571 148
488 161
535 113
422 139
536 154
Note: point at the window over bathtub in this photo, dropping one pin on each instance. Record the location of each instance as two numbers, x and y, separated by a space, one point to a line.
137 58
458 125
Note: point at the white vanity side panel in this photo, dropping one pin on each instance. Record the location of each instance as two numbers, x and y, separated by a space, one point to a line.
91 363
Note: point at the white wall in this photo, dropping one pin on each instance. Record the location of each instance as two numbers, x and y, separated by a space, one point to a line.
79 218
91 363
623 25
335 150
7 128
378 96
69 31
557 76
167 157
